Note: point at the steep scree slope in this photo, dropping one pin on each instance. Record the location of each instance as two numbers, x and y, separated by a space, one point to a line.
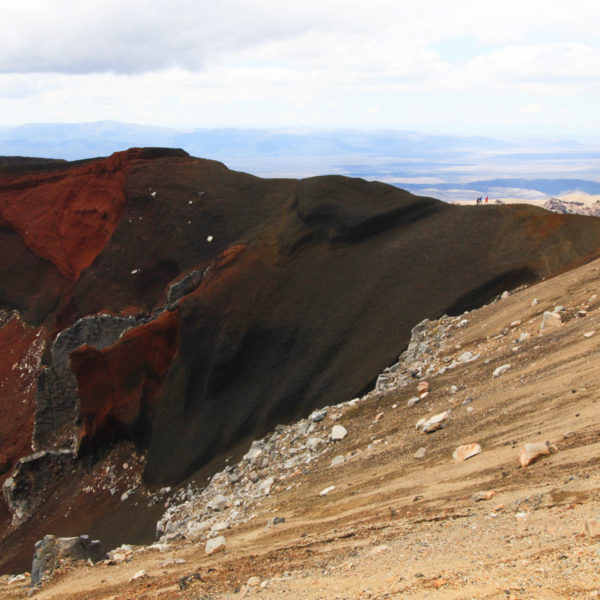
241 302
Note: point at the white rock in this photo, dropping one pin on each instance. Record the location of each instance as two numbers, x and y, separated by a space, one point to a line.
412 401
219 503
338 460
463 323
254 452
253 582
327 490
535 302
338 432
467 451
550 320
453 389
501 370
420 453
465 357
505 295
216 544
436 422
317 415
312 443
265 486
139 575
589 334
524 336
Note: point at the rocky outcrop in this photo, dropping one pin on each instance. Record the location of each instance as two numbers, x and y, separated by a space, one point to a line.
32 479
57 399
572 207
51 551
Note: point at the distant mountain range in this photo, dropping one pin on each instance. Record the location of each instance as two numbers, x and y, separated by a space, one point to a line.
443 166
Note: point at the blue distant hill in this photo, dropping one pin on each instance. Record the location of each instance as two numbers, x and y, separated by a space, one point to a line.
439 165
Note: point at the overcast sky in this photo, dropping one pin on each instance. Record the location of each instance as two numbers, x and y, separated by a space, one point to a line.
485 66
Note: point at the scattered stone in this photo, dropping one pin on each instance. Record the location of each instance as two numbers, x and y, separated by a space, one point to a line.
465 357
434 423
338 460
559 308
338 432
535 302
592 526
139 575
524 336
420 453
568 434
184 582
317 415
481 496
467 451
453 389
589 334
532 452
505 295
412 401
327 490
550 320
253 582
463 323
265 486
423 387
50 550
276 520
172 561
214 545
378 417
514 324
219 503
501 370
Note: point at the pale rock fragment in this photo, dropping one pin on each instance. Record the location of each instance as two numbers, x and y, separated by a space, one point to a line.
327 490
216 544
532 452
338 460
423 387
550 320
434 423
592 526
466 451
483 495
420 453
501 370
338 432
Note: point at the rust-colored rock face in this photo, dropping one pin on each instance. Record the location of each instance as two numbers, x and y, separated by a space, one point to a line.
21 349
66 217
118 385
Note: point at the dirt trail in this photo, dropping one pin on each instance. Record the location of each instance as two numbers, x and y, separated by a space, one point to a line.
399 527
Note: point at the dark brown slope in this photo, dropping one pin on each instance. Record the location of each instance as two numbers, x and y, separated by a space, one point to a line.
241 302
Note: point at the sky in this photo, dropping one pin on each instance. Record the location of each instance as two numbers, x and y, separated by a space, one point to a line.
465 67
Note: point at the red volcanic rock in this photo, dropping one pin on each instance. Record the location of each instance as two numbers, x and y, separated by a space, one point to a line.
21 348
118 385
67 217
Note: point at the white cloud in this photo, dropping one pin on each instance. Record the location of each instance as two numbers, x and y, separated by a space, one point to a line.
329 61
